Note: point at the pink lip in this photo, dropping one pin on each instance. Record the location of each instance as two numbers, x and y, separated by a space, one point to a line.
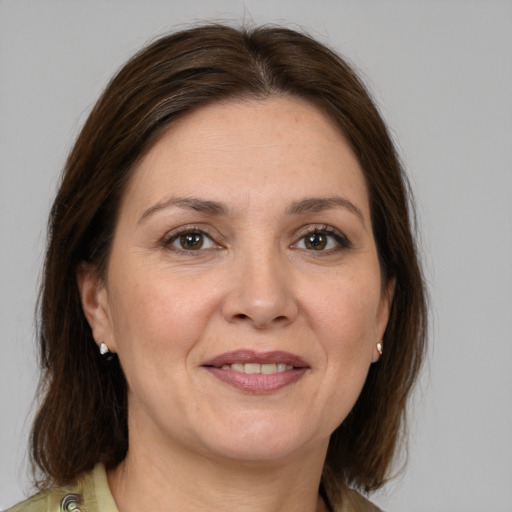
257 383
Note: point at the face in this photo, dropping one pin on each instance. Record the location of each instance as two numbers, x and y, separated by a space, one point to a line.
243 293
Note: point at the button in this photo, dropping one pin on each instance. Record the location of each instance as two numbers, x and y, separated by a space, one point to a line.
71 503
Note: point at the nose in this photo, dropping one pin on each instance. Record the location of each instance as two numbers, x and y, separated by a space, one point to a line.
261 292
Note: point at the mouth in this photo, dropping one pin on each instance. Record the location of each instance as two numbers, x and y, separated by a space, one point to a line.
257 372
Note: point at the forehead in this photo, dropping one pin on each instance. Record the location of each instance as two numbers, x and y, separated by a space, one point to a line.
280 148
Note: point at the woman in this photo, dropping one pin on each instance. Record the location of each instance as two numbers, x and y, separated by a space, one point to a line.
232 313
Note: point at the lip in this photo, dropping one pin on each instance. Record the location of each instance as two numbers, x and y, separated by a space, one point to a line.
257 383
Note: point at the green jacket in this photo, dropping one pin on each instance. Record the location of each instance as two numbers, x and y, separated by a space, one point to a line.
92 494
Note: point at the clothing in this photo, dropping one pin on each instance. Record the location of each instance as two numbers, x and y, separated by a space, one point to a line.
92 494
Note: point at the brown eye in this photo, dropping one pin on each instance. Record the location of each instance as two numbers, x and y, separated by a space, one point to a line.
191 241
325 239
316 241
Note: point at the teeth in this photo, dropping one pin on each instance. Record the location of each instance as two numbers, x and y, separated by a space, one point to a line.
252 368
269 368
265 368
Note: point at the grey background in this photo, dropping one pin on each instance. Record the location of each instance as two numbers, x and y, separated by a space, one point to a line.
441 72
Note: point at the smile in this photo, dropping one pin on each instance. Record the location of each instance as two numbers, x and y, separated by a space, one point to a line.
257 372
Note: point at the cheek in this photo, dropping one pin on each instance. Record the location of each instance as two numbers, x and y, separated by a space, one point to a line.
345 323
346 313
155 328
152 315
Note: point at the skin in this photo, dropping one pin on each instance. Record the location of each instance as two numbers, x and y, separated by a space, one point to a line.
196 441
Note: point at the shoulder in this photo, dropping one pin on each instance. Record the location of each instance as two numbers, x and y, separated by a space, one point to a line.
50 500
355 502
90 494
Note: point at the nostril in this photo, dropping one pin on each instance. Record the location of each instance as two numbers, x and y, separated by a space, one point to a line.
277 320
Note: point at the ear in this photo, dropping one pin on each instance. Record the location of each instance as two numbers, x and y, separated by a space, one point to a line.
386 300
94 297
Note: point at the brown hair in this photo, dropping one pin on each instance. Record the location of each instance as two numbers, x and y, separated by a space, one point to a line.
83 416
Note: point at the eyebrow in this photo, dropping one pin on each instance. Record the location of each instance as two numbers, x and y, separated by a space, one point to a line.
304 206
186 203
318 204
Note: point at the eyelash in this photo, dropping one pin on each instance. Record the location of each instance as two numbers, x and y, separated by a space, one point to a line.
341 241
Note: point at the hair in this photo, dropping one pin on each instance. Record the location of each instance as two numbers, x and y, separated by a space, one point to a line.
82 418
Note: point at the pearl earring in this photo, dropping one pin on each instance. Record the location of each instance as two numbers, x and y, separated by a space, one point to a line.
379 347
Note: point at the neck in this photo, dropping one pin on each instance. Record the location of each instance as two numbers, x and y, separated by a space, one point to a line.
177 479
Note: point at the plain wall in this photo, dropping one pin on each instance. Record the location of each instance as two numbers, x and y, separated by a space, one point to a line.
441 72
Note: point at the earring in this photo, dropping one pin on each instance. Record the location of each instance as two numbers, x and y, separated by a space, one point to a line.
104 350
379 347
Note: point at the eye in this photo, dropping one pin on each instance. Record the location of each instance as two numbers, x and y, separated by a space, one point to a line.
317 241
324 239
190 240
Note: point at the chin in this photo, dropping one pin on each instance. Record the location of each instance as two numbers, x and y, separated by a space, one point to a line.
256 453
262 442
